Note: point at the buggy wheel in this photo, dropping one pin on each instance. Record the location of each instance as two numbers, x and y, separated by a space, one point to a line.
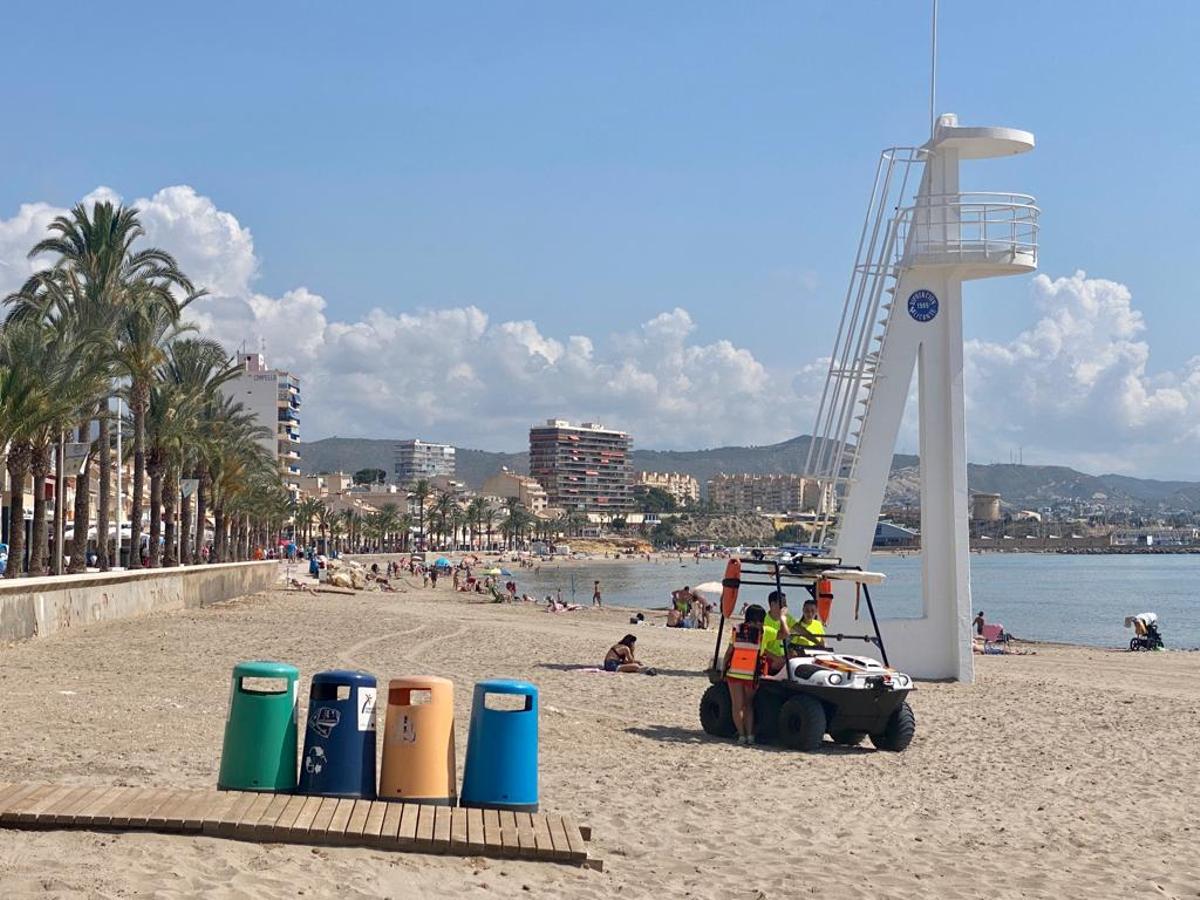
801 723
848 738
899 731
716 711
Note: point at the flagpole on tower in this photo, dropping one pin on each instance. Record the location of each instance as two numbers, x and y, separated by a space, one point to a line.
933 72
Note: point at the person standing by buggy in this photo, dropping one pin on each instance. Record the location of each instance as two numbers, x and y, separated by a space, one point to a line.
743 658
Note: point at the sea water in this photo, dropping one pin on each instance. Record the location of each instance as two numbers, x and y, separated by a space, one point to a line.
1039 596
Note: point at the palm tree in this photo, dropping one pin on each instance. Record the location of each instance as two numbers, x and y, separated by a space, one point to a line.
307 510
105 280
187 384
420 495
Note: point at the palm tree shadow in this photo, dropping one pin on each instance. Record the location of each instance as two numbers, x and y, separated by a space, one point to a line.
585 667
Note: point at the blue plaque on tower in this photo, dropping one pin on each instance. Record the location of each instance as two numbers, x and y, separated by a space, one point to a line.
923 305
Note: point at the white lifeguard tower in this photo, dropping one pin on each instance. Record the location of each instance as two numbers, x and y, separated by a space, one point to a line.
904 309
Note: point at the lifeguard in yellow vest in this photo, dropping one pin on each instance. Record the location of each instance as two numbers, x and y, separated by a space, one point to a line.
776 627
808 631
743 661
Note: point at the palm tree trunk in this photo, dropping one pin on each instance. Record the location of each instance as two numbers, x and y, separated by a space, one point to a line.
18 465
138 402
218 533
155 468
201 509
83 508
185 532
170 502
105 498
39 548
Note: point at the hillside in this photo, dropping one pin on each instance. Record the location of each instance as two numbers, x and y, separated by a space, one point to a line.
1020 486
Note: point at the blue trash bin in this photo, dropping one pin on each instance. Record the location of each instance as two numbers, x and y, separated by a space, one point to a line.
339 740
501 770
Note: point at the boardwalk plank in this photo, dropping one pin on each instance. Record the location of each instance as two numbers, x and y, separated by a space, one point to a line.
374 822
227 826
476 838
508 833
324 815
541 837
525 839
406 838
492 839
425 827
90 814
441 829
38 811
458 831
66 811
15 800
282 829
393 818
336 830
215 815
304 821
261 830
248 820
575 839
358 818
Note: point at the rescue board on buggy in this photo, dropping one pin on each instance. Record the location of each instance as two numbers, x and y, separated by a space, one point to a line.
819 690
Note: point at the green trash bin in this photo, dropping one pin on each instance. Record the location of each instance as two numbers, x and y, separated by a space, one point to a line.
259 752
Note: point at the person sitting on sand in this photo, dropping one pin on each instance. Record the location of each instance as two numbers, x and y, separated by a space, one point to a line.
620 657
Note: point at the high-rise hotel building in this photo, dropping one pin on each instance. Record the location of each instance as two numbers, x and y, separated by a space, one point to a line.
583 468
273 397
418 460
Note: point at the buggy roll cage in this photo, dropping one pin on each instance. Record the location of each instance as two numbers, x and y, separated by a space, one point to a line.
801 571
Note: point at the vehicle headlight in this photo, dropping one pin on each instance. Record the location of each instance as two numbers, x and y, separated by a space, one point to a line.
835 678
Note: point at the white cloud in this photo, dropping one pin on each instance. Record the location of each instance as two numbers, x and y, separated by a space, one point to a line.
450 373
1074 388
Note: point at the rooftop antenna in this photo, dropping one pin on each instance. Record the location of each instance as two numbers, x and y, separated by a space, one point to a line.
933 73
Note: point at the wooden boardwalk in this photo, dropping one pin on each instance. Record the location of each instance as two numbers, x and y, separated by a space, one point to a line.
294 818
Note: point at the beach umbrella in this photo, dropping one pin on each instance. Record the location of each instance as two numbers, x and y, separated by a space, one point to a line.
709 587
506 573
493 571
442 563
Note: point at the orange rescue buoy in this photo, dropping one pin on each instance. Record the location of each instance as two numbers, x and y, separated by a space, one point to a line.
730 584
824 599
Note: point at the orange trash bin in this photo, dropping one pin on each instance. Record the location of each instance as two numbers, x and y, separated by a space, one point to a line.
418 742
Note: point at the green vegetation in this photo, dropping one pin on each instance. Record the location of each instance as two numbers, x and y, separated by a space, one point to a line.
370 476
104 320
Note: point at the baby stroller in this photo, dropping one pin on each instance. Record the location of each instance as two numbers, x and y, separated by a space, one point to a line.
1147 636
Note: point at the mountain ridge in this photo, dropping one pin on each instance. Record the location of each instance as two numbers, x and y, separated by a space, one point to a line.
1018 485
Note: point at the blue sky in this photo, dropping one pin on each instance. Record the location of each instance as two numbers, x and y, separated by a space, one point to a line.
589 166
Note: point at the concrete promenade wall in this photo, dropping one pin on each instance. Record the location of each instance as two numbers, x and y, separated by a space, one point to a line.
36 607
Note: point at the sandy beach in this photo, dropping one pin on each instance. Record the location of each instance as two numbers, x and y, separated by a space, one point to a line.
1070 773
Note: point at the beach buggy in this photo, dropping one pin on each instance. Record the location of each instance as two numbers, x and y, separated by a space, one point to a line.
818 691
